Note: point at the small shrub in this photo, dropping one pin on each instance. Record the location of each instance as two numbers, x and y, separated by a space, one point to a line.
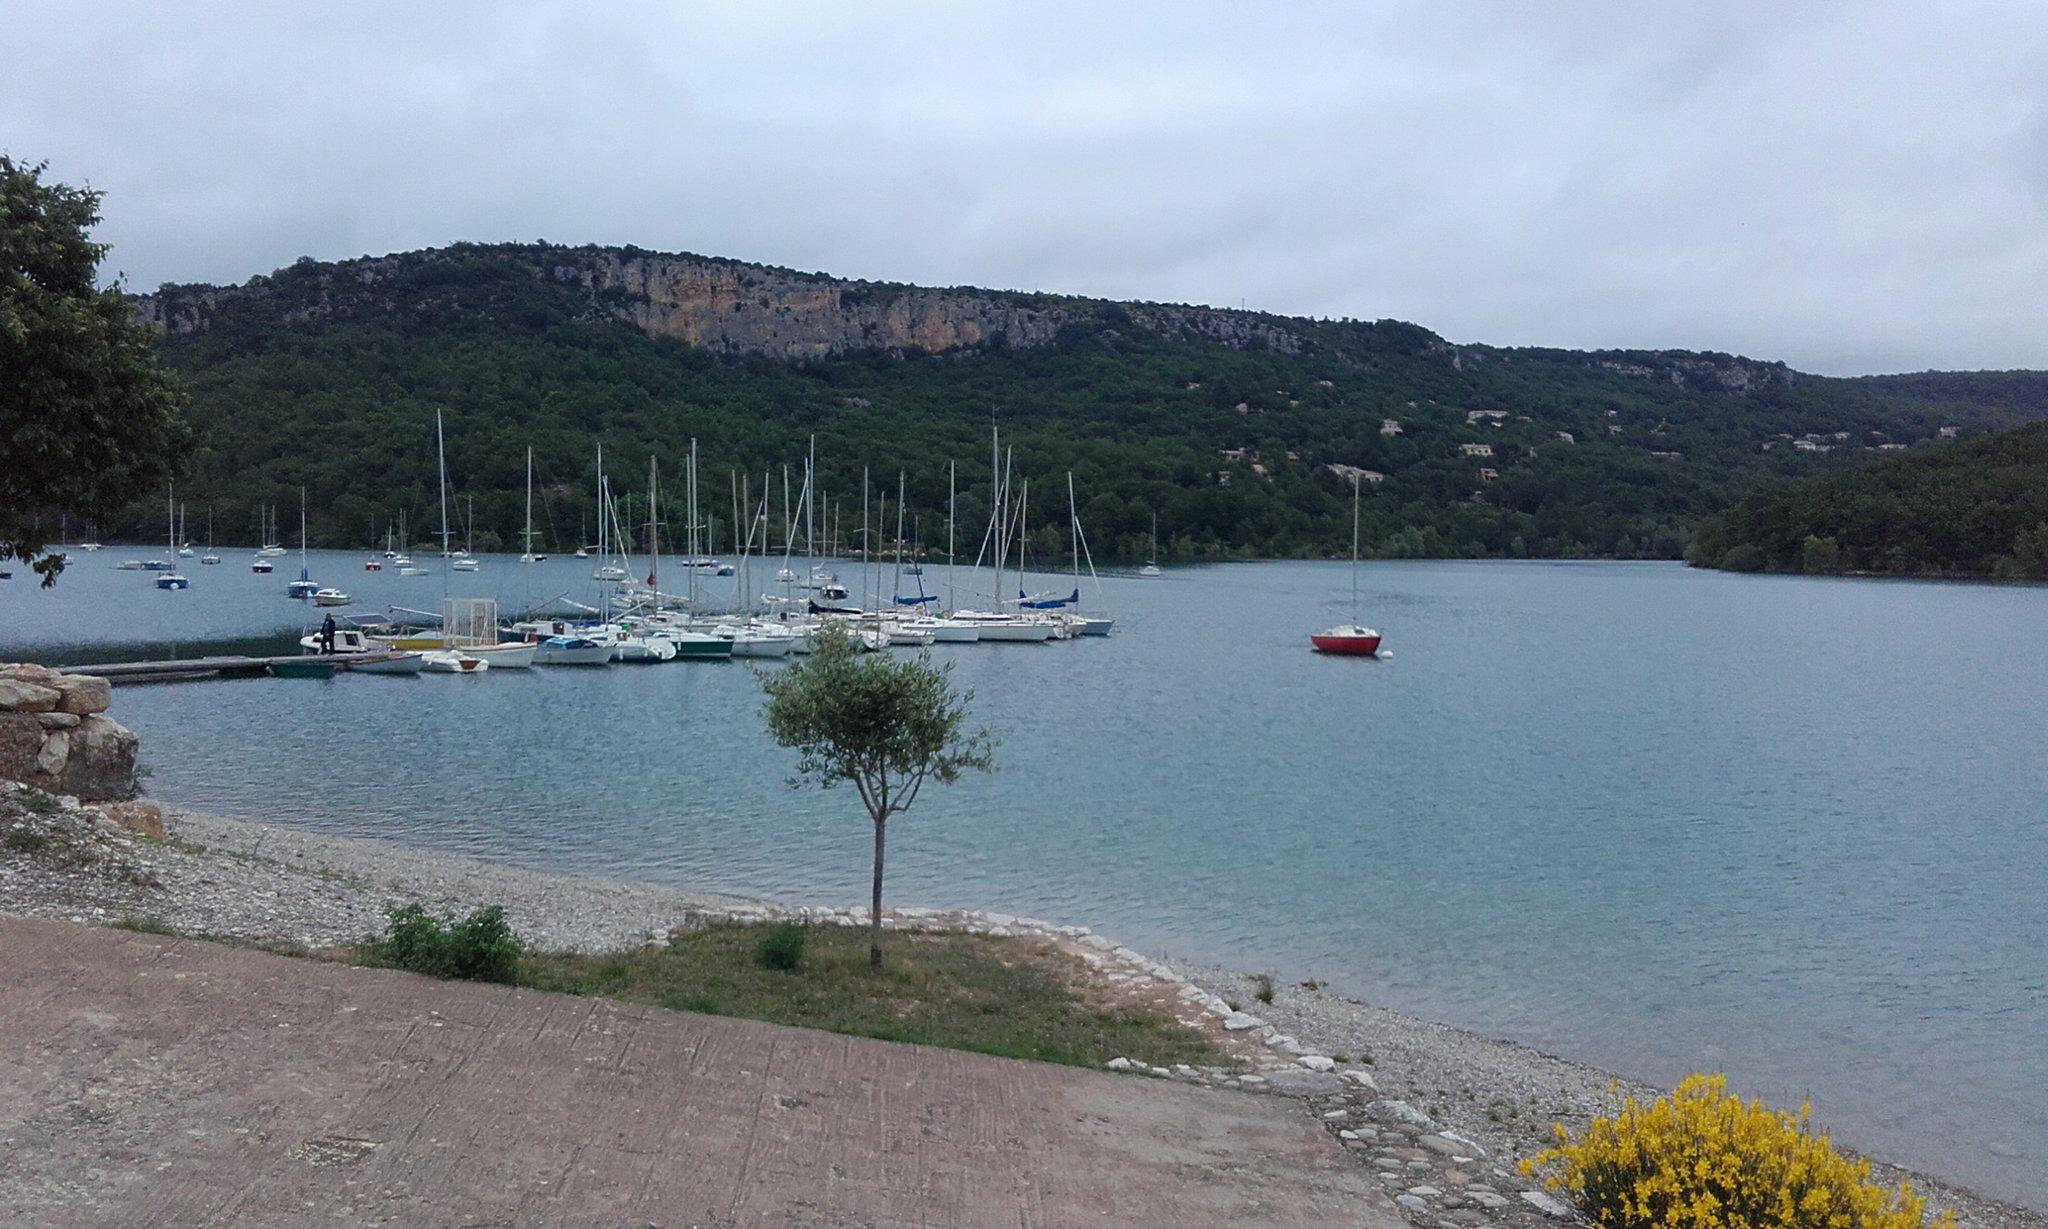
147 924
1703 1159
480 947
1262 987
782 947
25 840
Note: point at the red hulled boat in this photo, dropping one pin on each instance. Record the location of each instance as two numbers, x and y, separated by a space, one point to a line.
1354 639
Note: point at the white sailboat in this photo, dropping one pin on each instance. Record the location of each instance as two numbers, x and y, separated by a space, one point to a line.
1151 567
209 558
465 559
526 535
168 578
305 586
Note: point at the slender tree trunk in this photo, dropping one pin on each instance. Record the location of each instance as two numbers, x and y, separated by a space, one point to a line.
875 907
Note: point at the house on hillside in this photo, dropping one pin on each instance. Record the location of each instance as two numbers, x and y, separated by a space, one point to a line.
1488 475
1490 417
1566 436
1349 473
1390 426
1476 450
1949 433
1812 446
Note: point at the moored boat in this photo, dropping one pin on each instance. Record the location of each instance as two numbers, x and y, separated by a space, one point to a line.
303 668
453 661
1354 639
382 663
331 597
572 651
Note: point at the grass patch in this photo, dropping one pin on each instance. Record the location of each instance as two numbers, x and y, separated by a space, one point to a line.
1017 998
145 924
1262 987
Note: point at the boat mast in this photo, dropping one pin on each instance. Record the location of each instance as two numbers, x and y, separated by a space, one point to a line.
896 587
1354 552
1074 526
653 543
441 452
867 552
952 475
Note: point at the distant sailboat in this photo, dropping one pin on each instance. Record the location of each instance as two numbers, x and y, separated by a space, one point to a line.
1354 639
167 577
526 535
1151 567
305 586
209 558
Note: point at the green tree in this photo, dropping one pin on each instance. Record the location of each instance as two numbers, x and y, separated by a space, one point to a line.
88 421
885 725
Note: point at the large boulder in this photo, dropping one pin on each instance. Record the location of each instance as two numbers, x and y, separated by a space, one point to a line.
21 740
19 695
84 694
29 672
100 766
56 753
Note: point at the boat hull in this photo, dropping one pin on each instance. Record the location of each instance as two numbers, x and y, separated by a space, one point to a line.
303 668
1016 633
1346 644
572 655
384 663
507 656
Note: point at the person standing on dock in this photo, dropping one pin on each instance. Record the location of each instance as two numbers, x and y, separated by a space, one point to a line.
327 635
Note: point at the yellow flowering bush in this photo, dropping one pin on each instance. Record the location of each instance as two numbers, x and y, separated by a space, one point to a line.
1703 1159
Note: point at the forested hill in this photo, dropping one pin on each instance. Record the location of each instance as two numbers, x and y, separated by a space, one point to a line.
1238 429
1978 508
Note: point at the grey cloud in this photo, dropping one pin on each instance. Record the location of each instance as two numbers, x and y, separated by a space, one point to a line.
1850 188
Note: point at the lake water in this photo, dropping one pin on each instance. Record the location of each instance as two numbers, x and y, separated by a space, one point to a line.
1648 817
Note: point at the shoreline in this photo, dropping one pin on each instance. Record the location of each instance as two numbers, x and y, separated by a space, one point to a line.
249 880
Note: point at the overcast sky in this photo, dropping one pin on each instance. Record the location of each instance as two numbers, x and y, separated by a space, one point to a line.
1851 188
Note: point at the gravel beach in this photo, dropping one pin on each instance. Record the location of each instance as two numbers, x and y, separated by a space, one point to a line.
1438 1113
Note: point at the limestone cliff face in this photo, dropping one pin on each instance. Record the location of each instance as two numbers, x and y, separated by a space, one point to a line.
725 306
738 308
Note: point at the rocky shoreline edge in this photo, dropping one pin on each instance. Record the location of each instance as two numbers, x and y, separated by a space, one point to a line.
1438 1115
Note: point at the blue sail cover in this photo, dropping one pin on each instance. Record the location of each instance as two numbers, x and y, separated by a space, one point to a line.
1047 603
917 601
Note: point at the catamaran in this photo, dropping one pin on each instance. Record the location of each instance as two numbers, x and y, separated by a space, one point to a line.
1354 639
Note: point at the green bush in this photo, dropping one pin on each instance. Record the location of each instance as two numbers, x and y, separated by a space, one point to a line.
1746 557
480 947
782 947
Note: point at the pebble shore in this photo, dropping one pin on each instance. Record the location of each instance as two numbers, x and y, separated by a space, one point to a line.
1437 1115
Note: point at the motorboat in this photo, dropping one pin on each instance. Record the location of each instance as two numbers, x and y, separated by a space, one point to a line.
330 597
610 572
453 661
171 580
155 565
129 565
463 563
262 567
572 651
373 564
643 648
347 640
90 546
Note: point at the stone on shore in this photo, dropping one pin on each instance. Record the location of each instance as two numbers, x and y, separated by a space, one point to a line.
18 695
84 694
1238 1022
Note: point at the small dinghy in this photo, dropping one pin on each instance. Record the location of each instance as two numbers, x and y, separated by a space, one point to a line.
303 668
453 661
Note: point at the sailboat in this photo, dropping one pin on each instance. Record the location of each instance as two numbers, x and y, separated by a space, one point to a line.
305 586
168 578
209 558
1151 567
185 550
465 561
1354 639
373 563
270 548
406 567
526 534
261 563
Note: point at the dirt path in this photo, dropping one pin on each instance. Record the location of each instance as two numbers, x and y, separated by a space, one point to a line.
150 1080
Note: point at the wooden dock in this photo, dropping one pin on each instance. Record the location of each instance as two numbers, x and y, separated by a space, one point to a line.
185 669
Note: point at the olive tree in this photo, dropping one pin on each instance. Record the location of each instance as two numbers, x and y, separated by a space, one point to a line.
887 726
88 421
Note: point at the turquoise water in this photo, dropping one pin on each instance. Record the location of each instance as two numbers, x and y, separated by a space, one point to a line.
1652 818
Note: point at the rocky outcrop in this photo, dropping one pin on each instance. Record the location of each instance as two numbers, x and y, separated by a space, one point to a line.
54 734
726 306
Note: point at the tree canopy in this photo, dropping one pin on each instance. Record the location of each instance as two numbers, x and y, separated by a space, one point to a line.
882 724
88 420
1977 508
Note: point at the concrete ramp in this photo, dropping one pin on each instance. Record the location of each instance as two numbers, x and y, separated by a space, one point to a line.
155 1081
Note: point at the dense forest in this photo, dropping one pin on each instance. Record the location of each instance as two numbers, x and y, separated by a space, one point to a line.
1978 508
1239 431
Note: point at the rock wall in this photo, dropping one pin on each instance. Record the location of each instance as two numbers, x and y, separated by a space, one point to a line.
54 734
